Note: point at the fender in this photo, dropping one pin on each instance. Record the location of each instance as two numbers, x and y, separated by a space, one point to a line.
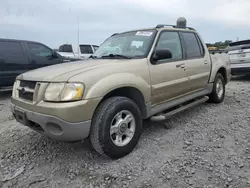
119 80
219 61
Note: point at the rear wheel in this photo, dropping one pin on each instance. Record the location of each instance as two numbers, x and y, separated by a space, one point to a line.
116 127
218 93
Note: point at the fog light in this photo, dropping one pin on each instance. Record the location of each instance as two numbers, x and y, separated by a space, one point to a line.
54 129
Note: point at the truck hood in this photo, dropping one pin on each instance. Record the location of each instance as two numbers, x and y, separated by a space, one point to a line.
64 71
66 54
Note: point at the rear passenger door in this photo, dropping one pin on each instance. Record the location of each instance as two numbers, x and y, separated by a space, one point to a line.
198 61
13 61
41 55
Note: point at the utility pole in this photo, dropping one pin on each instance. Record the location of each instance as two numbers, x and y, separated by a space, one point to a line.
78 50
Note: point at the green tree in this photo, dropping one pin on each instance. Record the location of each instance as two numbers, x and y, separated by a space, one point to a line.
220 44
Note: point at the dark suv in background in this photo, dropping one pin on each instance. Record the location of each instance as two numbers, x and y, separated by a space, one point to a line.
18 56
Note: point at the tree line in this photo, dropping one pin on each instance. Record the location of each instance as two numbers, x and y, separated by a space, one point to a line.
219 45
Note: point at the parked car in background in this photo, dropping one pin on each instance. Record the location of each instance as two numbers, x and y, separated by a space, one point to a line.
239 56
69 50
219 51
19 56
158 72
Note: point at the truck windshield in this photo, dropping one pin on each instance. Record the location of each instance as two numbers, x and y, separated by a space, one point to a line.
134 44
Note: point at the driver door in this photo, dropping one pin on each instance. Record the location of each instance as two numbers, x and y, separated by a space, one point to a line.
169 78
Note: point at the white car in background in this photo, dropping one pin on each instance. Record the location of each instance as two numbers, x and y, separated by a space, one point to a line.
71 51
239 56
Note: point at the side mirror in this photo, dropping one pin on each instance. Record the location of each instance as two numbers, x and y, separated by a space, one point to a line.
162 54
54 55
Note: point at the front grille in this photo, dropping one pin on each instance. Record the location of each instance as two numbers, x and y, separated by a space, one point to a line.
26 90
28 84
26 96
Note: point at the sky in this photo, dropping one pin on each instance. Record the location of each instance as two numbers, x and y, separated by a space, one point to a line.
54 22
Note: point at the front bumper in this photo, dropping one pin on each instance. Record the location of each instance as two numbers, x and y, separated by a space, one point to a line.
63 121
73 112
52 126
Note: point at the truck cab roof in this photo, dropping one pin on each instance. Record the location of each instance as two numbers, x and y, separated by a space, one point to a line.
17 40
181 25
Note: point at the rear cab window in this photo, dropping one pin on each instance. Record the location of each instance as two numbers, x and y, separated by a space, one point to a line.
66 48
86 49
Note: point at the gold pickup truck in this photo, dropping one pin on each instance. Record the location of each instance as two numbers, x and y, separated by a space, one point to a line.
150 73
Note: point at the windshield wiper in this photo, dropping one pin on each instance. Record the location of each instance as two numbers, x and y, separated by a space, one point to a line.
116 55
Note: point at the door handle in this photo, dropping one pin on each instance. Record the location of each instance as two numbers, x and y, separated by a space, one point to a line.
206 62
180 66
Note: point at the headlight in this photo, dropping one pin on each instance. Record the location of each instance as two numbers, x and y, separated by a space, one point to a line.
14 89
72 92
64 92
54 91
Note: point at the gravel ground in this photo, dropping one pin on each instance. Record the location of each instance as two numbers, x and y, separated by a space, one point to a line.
207 146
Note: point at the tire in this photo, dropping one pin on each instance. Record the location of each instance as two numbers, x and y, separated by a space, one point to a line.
217 96
110 112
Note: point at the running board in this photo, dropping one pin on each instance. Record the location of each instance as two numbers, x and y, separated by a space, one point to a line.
167 115
3 89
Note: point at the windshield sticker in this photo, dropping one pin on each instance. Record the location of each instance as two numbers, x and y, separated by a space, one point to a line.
144 33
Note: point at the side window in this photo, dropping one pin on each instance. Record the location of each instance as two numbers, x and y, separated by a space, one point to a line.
201 46
171 40
3 45
10 48
39 50
192 46
86 49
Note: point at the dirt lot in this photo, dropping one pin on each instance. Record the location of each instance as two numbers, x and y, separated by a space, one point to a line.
207 146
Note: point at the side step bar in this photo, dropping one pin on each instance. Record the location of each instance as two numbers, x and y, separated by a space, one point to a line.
3 89
167 115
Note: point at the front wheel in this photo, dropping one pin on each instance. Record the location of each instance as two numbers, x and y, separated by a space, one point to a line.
116 127
219 88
